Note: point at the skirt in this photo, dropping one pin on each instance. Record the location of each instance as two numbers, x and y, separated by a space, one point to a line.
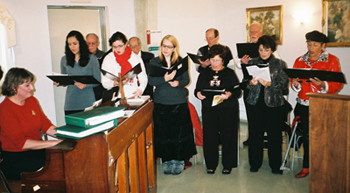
173 132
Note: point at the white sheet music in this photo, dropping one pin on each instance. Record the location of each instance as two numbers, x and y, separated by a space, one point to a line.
257 72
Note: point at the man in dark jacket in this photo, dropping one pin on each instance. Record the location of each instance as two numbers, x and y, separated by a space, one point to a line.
135 45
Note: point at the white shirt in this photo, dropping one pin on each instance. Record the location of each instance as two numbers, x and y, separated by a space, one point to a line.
110 65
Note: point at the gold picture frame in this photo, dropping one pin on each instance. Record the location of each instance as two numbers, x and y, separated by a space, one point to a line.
271 19
336 22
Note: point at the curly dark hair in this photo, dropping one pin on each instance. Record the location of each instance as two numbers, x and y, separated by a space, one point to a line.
117 36
83 49
217 50
267 42
14 78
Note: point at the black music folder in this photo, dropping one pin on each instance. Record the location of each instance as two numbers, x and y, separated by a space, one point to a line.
109 94
251 49
195 58
181 67
130 74
212 93
306 73
65 79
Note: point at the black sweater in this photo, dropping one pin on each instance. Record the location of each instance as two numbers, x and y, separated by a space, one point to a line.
228 79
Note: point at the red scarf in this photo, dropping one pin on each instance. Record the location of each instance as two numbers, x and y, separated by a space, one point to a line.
122 60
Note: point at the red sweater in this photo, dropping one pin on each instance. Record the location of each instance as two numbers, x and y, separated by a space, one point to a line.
19 123
327 62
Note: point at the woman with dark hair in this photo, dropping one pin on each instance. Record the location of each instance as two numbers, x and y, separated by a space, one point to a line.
22 121
173 131
267 111
78 61
220 121
316 58
121 60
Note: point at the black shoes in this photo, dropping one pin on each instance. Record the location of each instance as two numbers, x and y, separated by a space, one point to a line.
226 171
278 171
210 171
246 142
254 170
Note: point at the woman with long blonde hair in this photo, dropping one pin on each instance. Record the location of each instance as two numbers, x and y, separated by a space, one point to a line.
173 131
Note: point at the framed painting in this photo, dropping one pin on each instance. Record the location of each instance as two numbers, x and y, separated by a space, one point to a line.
270 18
336 22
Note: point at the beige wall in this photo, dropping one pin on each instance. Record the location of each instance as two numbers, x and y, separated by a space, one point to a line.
146 19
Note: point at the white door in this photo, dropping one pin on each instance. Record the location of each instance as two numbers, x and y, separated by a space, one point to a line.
62 20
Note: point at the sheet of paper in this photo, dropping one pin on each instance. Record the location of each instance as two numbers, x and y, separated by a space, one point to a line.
216 100
263 72
156 37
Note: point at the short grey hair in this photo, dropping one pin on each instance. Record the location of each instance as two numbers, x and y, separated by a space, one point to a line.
138 40
98 39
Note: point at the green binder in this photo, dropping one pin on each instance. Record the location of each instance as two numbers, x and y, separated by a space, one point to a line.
94 116
76 132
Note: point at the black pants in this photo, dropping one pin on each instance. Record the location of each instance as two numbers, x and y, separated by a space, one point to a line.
248 108
224 121
303 112
263 118
14 163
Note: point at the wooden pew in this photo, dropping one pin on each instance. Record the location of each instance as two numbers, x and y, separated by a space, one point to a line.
121 160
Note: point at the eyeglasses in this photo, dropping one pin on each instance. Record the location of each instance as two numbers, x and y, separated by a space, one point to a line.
215 61
119 46
168 47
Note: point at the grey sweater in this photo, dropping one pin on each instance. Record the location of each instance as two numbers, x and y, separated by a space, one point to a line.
166 94
79 99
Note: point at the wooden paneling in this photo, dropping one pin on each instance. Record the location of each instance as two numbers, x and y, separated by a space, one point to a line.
329 143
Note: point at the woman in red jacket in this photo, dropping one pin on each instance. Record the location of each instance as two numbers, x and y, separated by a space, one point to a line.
316 58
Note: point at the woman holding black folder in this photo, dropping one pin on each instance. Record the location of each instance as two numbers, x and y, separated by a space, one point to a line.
173 131
121 60
78 61
267 109
316 58
220 120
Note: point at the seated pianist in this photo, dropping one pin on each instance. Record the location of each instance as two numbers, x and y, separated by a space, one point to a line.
22 122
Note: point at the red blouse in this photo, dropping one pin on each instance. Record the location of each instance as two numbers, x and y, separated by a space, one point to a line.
19 123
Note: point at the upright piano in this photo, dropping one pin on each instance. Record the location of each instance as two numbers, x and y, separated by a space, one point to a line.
119 160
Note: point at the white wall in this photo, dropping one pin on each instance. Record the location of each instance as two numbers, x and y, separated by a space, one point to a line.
188 21
33 41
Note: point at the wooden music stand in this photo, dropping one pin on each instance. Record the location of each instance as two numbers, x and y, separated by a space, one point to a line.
123 102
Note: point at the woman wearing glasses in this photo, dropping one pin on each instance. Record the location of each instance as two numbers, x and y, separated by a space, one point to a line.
219 111
267 110
173 131
121 60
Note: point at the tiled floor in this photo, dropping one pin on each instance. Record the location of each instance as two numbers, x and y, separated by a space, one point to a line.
241 180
